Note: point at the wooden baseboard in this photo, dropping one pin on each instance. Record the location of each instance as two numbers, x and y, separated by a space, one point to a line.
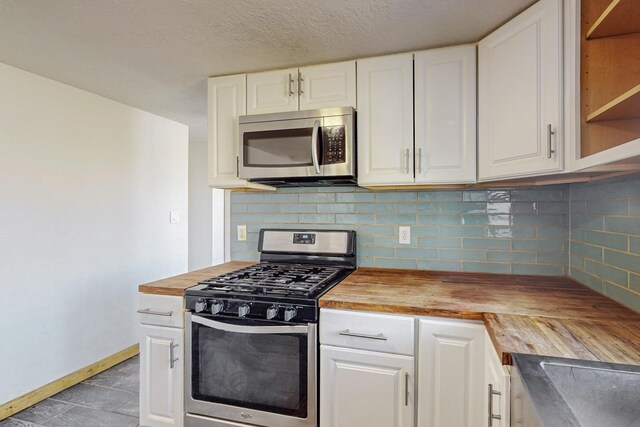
20 403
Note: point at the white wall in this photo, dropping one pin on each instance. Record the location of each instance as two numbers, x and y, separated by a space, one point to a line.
86 187
200 208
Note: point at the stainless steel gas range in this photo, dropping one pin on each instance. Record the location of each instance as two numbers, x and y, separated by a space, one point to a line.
252 345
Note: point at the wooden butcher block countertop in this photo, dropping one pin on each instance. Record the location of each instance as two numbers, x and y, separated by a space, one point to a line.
551 316
177 284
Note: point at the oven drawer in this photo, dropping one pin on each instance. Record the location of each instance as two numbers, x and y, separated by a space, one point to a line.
367 331
161 310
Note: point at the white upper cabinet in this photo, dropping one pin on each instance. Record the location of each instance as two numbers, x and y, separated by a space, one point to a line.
445 115
327 86
227 101
272 91
520 95
307 88
385 120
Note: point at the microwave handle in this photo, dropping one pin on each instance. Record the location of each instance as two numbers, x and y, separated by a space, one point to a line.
314 145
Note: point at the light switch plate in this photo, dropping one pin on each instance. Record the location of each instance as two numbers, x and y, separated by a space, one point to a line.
242 232
404 235
174 217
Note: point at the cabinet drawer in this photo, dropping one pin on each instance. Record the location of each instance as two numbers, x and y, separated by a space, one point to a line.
367 331
161 310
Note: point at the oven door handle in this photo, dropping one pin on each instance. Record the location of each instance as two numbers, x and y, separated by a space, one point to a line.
294 329
314 146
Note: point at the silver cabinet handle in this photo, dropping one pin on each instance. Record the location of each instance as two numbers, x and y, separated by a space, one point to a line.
314 146
290 85
155 313
419 160
172 358
348 333
406 389
405 160
300 81
492 416
550 133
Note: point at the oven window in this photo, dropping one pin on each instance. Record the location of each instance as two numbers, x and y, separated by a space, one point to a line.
267 372
278 148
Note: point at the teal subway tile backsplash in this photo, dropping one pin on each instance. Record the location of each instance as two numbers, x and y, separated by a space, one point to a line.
471 230
605 223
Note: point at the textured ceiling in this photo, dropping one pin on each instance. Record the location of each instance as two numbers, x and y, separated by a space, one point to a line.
157 54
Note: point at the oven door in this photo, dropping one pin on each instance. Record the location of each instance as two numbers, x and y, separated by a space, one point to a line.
280 149
253 371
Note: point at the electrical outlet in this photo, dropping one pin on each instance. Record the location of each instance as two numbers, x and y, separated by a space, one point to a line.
242 232
174 217
405 235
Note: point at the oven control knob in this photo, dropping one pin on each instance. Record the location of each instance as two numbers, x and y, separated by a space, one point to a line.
243 310
201 305
290 313
217 306
272 312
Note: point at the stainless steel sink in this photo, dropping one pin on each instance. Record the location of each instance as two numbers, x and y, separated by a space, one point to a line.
551 391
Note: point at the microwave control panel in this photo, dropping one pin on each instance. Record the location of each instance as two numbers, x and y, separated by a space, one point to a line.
333 141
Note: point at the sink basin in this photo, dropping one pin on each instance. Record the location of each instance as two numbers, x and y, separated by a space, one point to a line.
568 392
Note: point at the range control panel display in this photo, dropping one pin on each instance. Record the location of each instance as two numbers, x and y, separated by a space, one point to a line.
334 145
304 238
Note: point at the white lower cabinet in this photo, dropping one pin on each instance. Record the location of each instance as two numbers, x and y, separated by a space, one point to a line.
497 388
365 388
161 371
450 373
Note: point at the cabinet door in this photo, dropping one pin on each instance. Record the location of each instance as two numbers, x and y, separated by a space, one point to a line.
445 116
520 87
497 388
161 378
361 388
385 120
328 86
450 373
272 91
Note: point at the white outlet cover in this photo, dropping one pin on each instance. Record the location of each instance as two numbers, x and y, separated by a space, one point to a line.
404 235
242 232
174 217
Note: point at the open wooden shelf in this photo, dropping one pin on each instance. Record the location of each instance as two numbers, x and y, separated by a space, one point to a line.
620 17
626 106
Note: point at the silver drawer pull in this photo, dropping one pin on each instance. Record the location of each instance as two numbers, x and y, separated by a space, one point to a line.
172 358
347 333
492 416
155 313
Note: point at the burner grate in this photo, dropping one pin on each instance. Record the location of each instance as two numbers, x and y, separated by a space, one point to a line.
274 279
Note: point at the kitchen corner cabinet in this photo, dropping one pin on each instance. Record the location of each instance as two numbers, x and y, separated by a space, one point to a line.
445 115
497 388
520 87
385 120
161 361
450 373
226 102
306 88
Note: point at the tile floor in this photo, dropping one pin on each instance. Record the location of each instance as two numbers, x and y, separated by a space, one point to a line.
109 399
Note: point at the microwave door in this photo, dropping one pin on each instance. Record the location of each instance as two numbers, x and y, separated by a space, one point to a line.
280 149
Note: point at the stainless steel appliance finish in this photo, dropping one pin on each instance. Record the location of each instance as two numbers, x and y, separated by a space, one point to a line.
314 147
553 391
230 412
251 335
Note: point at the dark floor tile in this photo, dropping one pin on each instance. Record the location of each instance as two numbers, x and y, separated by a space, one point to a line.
14 422
113 378
43 411
94 396
131 407
129 365
85 417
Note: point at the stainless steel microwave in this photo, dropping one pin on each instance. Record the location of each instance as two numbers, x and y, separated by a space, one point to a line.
299 148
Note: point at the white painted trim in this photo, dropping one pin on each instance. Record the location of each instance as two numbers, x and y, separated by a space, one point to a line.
227 225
